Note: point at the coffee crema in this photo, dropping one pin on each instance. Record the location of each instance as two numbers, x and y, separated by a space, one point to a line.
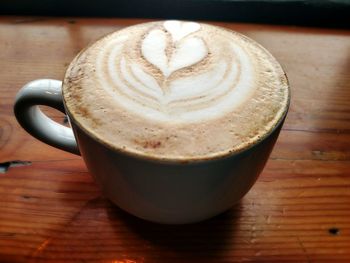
176 90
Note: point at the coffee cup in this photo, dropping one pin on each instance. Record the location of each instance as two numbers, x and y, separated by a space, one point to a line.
174 120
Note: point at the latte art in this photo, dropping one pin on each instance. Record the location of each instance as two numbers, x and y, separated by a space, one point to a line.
170 55
176 90
174 73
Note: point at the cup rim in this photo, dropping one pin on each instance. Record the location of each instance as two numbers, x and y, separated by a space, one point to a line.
188 159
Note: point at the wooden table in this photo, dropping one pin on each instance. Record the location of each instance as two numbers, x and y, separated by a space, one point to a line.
298 211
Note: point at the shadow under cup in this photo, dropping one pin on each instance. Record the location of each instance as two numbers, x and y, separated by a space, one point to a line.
174 192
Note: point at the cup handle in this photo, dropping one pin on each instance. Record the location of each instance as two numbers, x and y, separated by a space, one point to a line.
46 92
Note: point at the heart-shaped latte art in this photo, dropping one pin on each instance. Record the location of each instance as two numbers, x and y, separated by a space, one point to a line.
169 80
185 53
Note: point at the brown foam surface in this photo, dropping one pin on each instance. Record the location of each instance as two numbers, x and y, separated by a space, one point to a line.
131 97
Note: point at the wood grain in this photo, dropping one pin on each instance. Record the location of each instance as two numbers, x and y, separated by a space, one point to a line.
298 211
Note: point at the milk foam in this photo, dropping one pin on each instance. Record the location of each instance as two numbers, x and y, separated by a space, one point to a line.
176 89
173 47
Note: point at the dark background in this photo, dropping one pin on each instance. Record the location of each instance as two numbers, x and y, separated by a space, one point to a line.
298 12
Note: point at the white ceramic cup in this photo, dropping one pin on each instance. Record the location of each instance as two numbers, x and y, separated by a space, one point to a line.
170 192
